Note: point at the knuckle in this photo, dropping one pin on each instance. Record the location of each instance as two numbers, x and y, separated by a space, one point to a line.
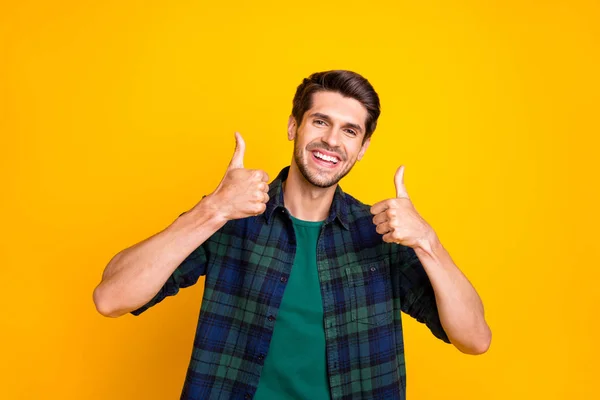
256 174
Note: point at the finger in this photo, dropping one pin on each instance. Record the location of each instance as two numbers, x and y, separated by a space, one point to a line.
380 207
399 183
383 228
265 176
260 208
264 186
258 196
265 197
237 161
389 237
380 218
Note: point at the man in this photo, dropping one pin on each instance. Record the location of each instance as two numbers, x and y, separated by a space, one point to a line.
304 284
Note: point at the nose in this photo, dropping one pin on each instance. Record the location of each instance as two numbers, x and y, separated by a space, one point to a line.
331 137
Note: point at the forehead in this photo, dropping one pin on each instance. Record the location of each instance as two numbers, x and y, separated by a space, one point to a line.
338 107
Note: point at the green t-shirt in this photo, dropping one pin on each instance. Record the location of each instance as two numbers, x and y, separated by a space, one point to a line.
295 366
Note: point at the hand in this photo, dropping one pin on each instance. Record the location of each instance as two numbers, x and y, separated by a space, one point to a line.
242 192
398 220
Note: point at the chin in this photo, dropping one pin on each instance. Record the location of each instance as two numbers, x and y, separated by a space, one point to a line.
321 184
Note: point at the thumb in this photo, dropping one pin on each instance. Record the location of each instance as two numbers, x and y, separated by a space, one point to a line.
399 183
237 161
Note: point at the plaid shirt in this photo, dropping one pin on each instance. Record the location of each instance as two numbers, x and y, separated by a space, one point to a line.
365 283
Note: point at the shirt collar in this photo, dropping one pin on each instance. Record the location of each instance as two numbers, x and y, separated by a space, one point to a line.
338 209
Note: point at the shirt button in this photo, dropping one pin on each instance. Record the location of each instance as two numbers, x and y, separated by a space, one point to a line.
373 269
271 318
261 357
283 279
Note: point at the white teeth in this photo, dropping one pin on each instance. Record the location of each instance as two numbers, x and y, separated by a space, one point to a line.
326 158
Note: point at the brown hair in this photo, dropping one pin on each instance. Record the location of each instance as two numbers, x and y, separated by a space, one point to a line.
348 84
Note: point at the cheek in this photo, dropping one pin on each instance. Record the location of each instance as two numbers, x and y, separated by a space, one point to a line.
356 151
305 136
311 135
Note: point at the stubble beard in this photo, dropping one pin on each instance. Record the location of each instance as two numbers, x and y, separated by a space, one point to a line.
317 179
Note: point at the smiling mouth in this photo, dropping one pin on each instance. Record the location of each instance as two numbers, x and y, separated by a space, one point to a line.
324 159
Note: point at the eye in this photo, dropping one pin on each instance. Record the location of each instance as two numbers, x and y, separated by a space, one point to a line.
351 132
319 122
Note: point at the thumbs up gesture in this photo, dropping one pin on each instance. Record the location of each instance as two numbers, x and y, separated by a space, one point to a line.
242 192
398 220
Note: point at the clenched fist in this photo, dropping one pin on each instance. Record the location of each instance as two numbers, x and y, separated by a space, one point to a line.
242 192
398 220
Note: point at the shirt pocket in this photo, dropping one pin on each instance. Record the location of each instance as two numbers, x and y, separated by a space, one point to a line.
370 293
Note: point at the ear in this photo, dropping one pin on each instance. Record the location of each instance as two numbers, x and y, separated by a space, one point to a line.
363 149
291 128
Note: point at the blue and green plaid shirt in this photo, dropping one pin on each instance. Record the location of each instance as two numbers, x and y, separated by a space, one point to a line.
365 283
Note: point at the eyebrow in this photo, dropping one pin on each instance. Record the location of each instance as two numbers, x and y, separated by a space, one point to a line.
327 118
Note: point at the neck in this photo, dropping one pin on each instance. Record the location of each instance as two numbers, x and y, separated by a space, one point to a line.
304 200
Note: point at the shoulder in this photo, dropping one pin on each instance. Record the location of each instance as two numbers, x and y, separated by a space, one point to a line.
254 228
356 209
360 221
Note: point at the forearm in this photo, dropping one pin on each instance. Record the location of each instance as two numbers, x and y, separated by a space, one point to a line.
460 307
137 273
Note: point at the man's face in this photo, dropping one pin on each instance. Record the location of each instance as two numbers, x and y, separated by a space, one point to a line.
329 140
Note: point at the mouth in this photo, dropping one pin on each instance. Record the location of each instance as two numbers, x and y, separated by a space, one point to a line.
324 159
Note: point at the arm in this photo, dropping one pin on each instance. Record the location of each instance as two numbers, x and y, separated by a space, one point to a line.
135 275
458 304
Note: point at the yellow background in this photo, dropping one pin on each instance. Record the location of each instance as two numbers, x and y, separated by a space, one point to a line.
117 116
